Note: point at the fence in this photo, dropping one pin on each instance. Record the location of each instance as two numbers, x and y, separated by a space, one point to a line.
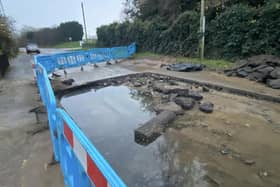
80 162
80 58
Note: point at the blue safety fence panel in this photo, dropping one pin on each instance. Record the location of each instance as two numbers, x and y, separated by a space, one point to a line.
97 55
80 58
131 49
46 61
71 59
80 162
123 52
48 99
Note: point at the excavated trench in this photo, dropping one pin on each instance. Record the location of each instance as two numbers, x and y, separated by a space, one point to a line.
160 131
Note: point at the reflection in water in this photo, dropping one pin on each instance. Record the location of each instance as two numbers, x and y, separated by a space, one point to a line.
109 116
145 100
177 171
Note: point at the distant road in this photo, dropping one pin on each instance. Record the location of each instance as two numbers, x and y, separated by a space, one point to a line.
51 50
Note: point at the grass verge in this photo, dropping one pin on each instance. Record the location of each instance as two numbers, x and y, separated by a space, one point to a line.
217 64
74 44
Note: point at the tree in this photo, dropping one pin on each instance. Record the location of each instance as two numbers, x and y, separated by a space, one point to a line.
131 9
148 9
72 30
30 35
7 42
52 36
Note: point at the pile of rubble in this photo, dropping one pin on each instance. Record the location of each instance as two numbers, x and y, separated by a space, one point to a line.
174 100
261 68
180 98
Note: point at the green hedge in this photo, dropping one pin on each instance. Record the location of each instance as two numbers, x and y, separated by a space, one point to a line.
242 31
7 43
237 31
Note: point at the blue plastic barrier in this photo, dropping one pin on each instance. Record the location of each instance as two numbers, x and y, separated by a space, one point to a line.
80 58
80 162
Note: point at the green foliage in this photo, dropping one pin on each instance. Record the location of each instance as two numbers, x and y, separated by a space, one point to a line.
182 36
210 63
89 44
155 35
52 36
234 28
242 31
74 44
72 30
7 42
227 32
264 37
168 9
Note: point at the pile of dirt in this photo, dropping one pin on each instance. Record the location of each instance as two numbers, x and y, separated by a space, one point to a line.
261 68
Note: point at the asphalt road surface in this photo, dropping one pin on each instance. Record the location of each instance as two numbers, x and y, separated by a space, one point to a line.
24 154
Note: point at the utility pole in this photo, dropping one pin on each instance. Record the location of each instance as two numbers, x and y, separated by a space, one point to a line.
84 18
202 29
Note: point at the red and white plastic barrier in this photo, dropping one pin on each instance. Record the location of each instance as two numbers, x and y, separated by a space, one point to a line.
89 166
34 70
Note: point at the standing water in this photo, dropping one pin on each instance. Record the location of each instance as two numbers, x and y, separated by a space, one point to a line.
109 116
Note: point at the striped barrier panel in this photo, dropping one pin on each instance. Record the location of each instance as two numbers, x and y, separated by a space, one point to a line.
33 70
91 167
80 162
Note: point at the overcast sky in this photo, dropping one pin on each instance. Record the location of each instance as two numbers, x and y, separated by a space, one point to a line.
46 13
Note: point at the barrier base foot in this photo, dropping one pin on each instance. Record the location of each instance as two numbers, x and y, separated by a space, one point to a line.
52 161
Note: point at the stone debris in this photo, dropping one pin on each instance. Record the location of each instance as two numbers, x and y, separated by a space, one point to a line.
55 75
205 89
167 97
169 89
247 125
185 103
68 82
195 95
152 129
249 162
206 107
261 68
274 83
225 150
137 84
170 106
263 174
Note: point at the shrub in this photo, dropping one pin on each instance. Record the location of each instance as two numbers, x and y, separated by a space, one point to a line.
182 36
7 43
235 31
227 33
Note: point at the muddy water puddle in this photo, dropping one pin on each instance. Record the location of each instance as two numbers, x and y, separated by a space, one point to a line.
235 145
109 116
